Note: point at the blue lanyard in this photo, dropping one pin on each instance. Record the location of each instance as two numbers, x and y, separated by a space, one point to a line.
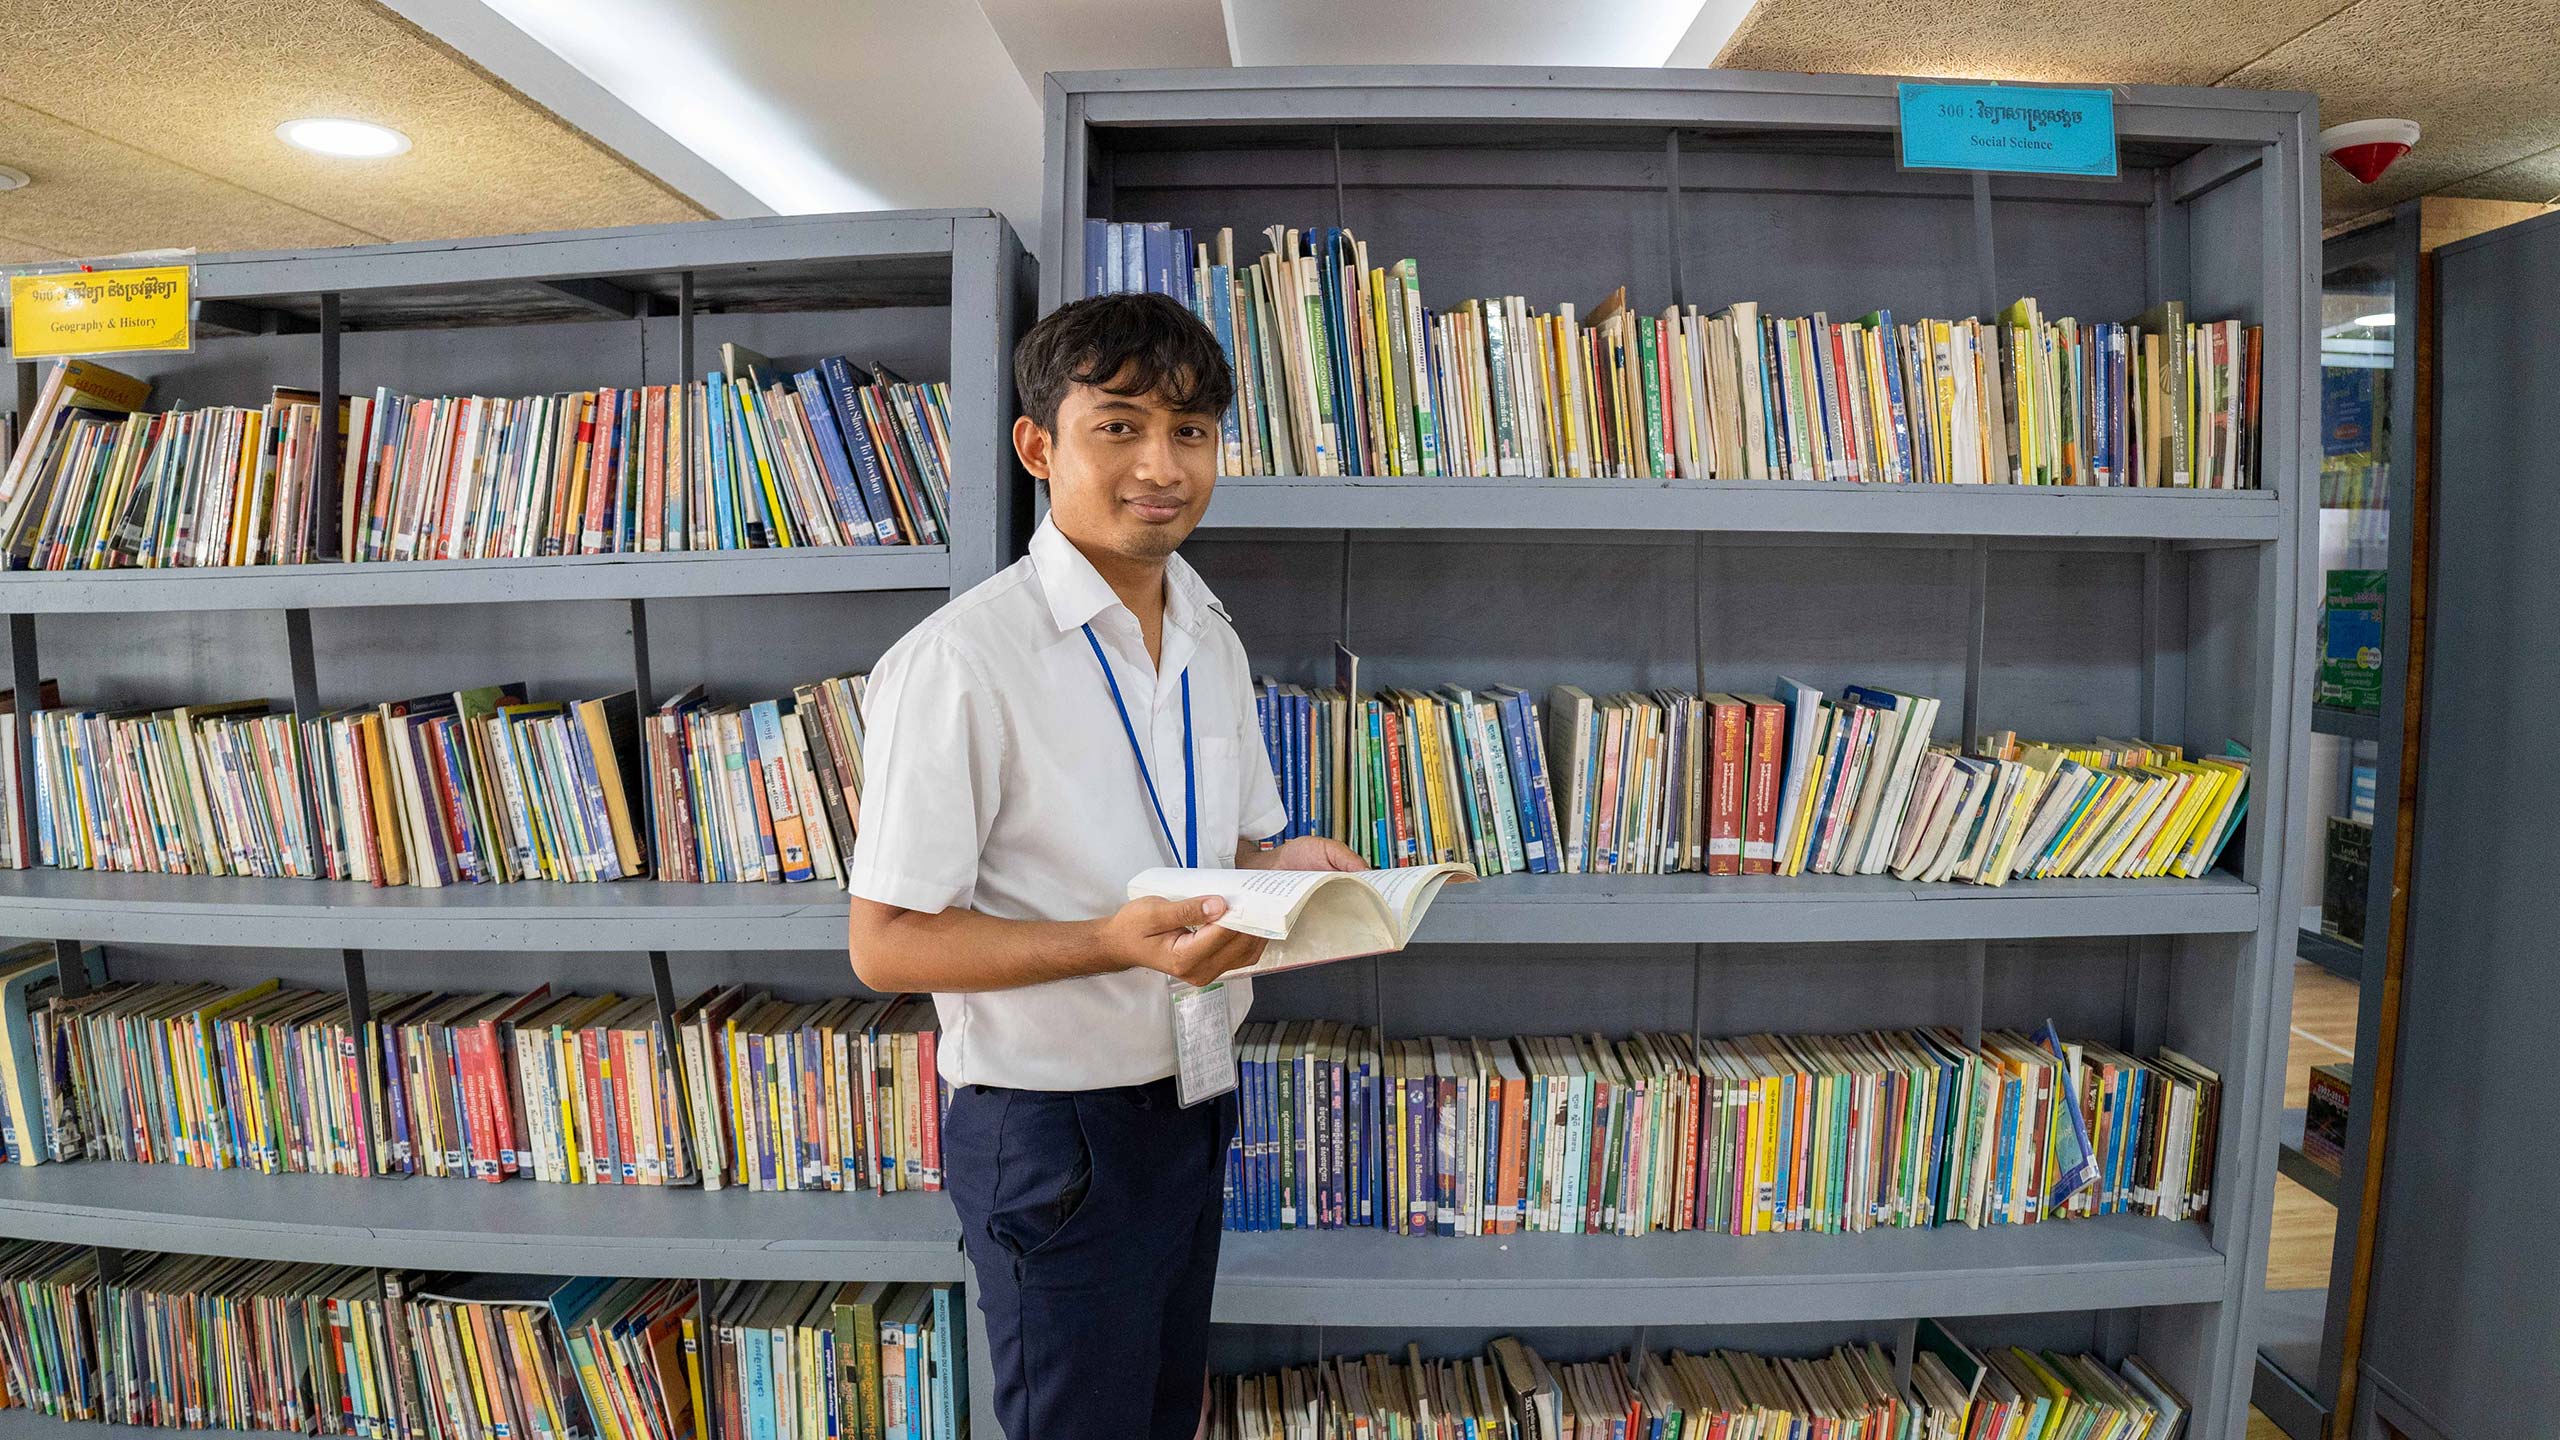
1189 850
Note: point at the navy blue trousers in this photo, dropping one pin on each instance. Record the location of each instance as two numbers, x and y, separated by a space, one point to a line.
1091 1219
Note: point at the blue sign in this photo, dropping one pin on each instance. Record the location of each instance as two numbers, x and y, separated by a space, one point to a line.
2009 127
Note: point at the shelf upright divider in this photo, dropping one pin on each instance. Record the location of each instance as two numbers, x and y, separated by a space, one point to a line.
26 680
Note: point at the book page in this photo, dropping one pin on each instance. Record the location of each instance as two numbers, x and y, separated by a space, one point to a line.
1310 917
1259 902
1409 891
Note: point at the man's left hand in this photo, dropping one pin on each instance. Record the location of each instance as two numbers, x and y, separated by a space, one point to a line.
1307 852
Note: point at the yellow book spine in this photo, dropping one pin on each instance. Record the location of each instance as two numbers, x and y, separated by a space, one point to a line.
1390 459
1765 1167
693 1374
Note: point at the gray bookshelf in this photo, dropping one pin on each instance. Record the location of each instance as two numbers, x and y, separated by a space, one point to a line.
2178 616
937 295
516 1226
654 915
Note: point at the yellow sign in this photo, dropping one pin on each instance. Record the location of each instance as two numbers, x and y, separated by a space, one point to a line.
100 312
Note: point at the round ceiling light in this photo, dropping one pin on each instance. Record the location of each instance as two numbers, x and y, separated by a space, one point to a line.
14 179
347 139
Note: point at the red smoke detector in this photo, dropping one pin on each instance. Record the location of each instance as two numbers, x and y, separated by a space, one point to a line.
2366 148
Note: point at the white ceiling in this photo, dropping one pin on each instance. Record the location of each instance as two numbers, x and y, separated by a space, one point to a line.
756 106
750 106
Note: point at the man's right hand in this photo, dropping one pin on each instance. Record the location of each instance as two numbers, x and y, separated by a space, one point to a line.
1177 938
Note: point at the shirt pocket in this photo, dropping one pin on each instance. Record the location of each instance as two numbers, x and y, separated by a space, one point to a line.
1220 799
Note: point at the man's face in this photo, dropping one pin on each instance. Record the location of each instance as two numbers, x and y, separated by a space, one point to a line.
1127 474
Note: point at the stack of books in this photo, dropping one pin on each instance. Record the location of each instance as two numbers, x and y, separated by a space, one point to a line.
204 1342
1511 1392
827 1361
569 1089
767 791
1756 1134
1342 370
478 786
220 486
745 459
840 1094
48 1304
474 787
754 455
192 1342
1665 781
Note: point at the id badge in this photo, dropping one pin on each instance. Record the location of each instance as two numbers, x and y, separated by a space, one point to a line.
1204 1042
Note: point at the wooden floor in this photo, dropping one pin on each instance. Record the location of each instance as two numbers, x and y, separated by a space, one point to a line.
2324 1030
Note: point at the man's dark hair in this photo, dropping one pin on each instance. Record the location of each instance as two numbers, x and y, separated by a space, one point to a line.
1128 345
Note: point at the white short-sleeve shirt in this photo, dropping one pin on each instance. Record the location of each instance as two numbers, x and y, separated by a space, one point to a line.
997 777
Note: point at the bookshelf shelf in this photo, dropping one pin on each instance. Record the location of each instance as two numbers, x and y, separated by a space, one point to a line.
1354 1277
333 914
22 1424
1517 909
1547 503
1700 909
480 582
517 1226
2059 612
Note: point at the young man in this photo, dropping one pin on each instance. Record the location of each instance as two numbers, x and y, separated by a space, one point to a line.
1083 716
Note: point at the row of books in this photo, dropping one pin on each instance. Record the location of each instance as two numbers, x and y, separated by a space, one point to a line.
478 786
748 457
206 1342
1511 1392
747 1090
473 787
768 791
1343 370
1580 1134
228 485
753 455
1664 781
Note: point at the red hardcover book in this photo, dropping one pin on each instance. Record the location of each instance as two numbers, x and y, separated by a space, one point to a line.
626 1149
359 1095
1392 729
1836 337
1604 831
601 469
480 1116
1728 749
1766 752
929 1082
653 460
497 1047
591 1066
2251 433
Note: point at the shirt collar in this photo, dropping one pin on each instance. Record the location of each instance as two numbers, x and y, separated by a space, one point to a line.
1077 592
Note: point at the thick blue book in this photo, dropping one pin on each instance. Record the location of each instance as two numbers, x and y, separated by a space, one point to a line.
1115 257
950 1383
1220 312
716 437
841 385
1097 258
844 486
1158 274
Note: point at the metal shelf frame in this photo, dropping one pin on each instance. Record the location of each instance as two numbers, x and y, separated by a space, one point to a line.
1248 147
1512 910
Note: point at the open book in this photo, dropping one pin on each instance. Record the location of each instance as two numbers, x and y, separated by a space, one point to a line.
1311 917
